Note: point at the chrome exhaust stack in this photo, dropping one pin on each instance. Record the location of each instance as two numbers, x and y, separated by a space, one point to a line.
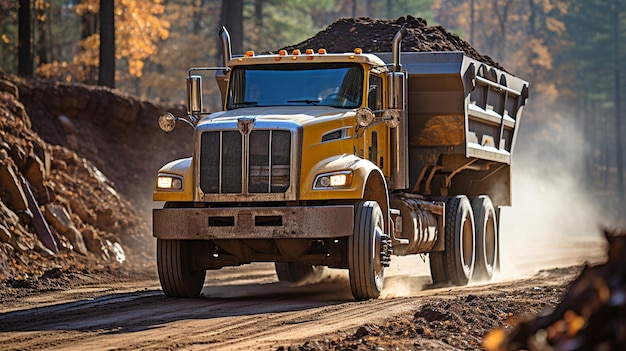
398 84
226 48
395 48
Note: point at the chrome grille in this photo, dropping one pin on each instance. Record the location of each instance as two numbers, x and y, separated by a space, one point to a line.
231 163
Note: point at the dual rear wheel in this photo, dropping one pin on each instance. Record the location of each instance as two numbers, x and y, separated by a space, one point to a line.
471 245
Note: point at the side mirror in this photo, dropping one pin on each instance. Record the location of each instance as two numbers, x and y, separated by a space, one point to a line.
194 95
397 82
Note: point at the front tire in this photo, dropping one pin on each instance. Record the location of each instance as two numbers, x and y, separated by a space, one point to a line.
455 265
368 251
296 272
177 277
486 238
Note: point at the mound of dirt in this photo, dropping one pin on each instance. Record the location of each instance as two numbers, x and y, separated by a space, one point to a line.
77 165
375 35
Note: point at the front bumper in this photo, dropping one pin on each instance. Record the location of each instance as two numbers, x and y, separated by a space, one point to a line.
309 222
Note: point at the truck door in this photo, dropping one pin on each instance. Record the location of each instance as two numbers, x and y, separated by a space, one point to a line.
376 137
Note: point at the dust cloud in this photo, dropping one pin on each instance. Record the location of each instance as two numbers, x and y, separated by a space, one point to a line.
557 217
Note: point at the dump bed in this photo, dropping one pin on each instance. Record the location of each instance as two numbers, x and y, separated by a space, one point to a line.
458 106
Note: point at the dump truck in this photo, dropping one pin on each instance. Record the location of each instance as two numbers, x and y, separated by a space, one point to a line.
340 160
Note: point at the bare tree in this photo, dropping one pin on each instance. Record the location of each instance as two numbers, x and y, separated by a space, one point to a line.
106 71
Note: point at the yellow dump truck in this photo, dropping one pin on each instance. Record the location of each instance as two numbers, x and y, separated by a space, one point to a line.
340 160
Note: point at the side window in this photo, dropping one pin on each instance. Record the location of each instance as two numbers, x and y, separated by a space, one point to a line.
375 93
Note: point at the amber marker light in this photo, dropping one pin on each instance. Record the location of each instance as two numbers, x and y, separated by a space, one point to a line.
358 51
321 51
249 53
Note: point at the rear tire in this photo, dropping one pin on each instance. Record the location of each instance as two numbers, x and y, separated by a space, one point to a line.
369 251
296 272
177 277
455 265
486 238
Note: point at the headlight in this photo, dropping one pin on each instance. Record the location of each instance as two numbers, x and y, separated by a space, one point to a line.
333 180
169 182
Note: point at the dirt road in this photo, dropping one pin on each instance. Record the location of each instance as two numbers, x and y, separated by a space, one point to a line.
245 308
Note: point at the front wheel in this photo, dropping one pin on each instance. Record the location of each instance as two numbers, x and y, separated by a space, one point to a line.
178 278
455 265
368 251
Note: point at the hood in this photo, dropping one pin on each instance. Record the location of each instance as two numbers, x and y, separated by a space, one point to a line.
299 114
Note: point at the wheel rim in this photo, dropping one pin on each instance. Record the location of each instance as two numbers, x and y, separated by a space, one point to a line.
467 247
490 243
378 258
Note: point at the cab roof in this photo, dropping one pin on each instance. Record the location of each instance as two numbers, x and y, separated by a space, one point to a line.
309 56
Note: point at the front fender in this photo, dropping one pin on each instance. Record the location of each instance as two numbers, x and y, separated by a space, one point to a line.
182 168
361 170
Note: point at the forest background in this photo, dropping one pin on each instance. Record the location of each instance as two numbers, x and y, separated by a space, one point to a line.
571 52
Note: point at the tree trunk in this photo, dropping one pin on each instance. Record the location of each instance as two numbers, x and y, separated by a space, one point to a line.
24 47
232 19
106 72
618 105
258 13
42 46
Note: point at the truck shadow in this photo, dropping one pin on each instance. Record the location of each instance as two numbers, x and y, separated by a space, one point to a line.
148 309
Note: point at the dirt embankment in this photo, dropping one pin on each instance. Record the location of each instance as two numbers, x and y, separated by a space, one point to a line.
77 165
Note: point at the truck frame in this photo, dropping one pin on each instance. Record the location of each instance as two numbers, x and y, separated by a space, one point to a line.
340 160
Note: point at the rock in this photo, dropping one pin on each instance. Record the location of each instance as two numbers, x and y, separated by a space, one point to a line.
58 217
23 241
18 154
11 187
34 171
5 234
42 151
117 251
7 216
105 220
43 250
80 209
9 87
94 243
66 123
6 251
76 238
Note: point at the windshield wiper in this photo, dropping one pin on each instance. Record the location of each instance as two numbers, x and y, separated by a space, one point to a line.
245 103
306 101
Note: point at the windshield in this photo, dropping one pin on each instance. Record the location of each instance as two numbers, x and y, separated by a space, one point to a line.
336 85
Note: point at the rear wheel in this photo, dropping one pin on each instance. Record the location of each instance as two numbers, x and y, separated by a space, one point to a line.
486 237
295 272
455 265
178 278
368 251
